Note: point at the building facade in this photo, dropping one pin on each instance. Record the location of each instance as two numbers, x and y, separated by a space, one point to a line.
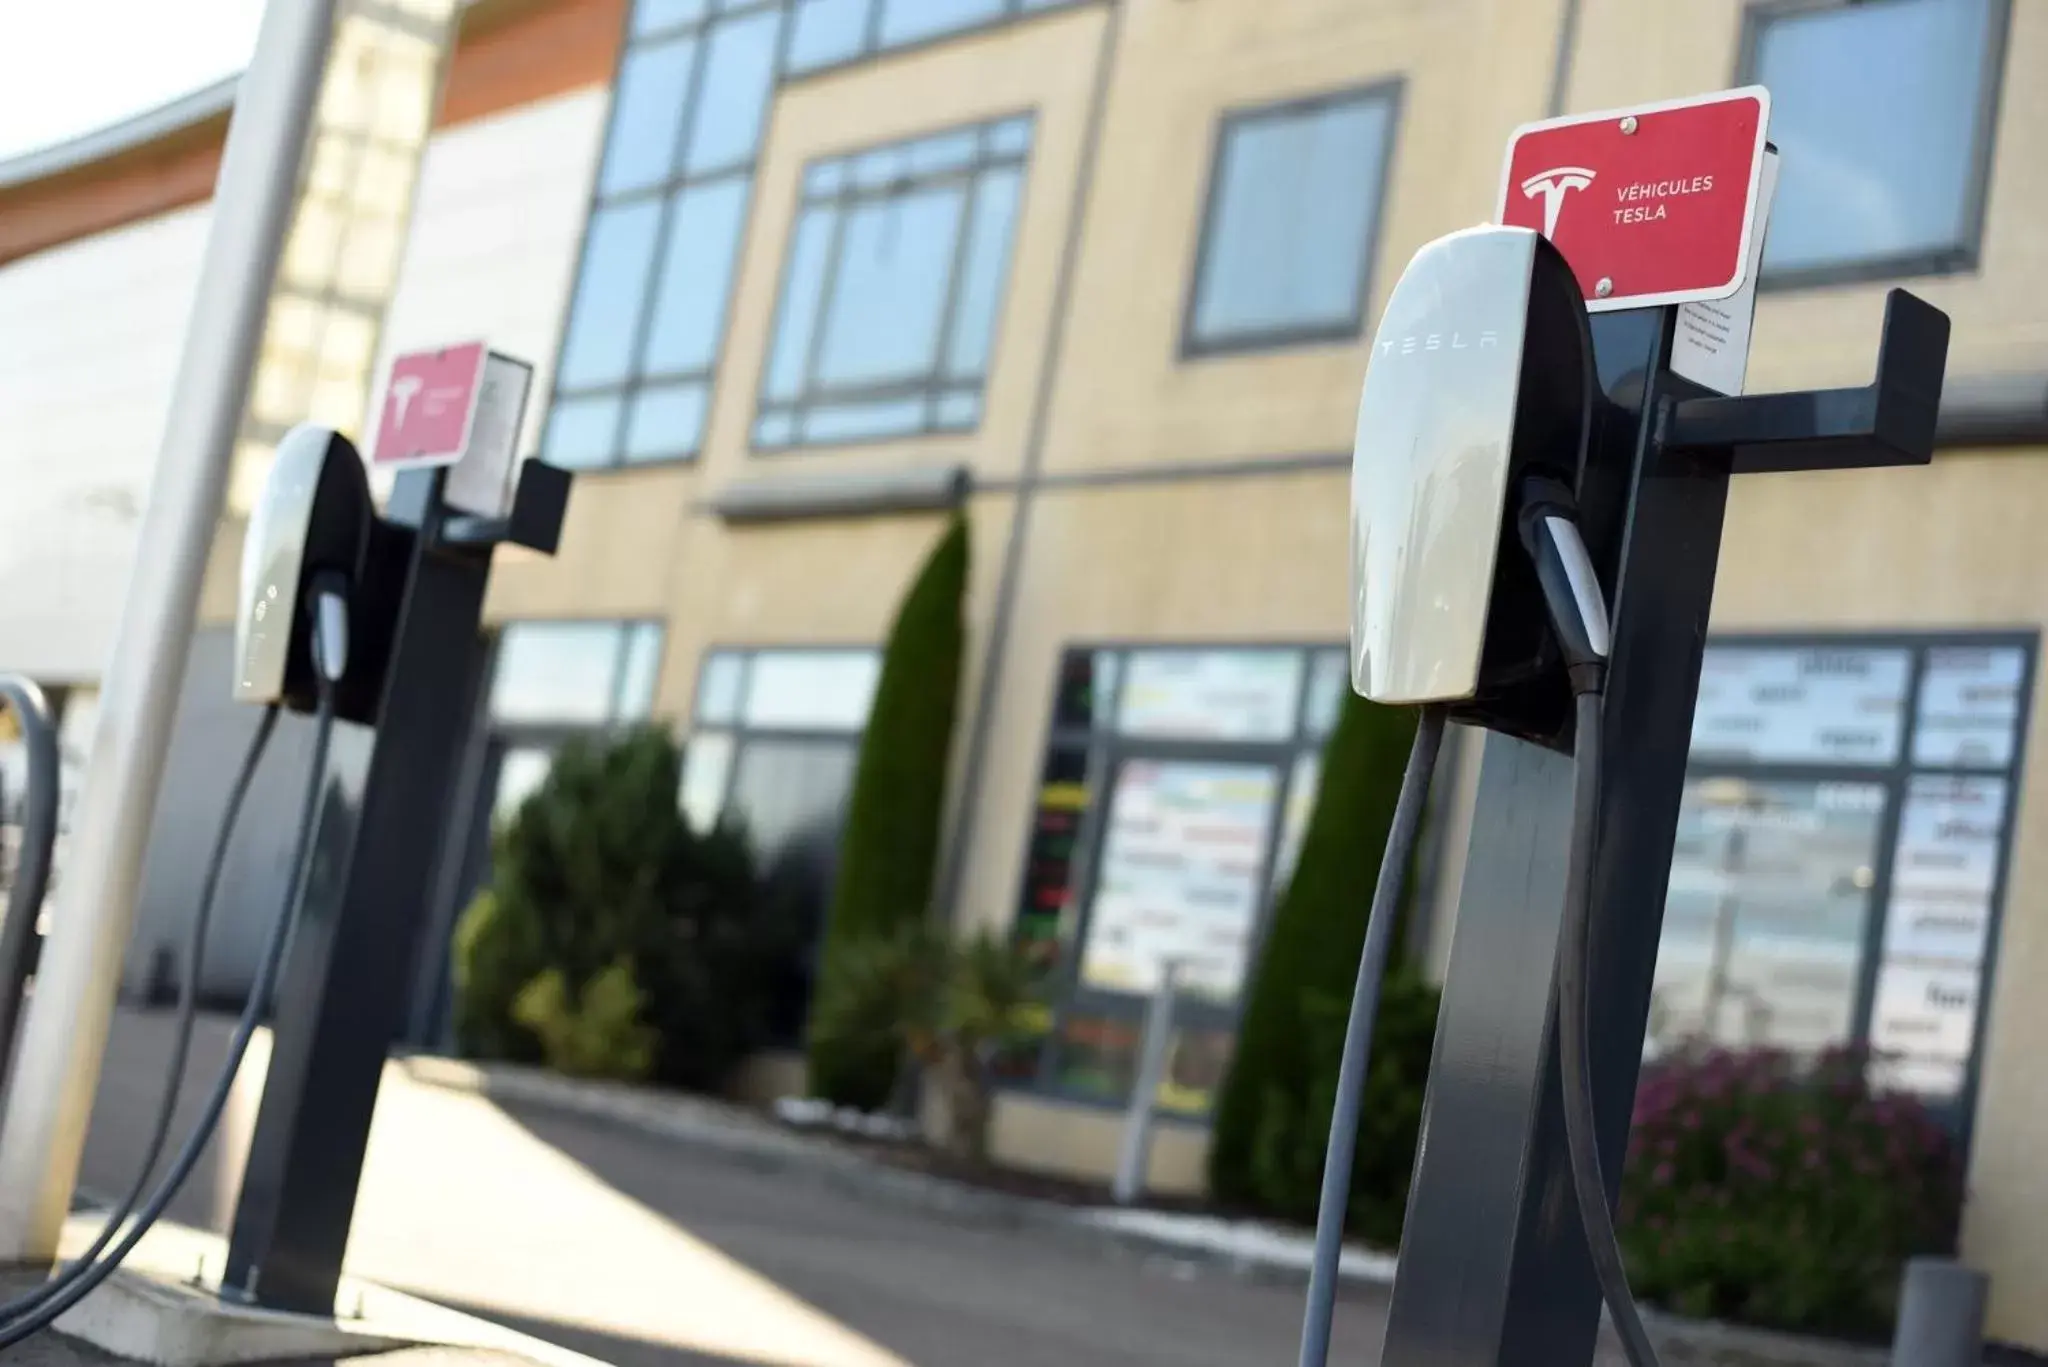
800 277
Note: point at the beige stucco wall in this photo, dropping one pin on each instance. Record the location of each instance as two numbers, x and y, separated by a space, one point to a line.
1469 71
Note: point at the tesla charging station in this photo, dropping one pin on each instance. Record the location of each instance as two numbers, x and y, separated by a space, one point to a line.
1570 379
448 433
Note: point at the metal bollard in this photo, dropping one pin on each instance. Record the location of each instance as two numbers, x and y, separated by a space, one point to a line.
1135 1156
1941 1315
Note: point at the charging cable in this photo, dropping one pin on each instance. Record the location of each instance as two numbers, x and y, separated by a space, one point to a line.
1549 529
181 1039
1365 1002
78 1279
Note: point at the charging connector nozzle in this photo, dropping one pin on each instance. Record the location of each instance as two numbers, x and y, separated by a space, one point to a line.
329 593
1548 522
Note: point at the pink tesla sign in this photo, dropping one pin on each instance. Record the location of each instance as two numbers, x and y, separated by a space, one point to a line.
428 407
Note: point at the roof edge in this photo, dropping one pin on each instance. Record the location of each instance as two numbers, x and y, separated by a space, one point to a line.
111 140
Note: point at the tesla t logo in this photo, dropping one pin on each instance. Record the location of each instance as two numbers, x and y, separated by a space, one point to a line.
402 390
1552 185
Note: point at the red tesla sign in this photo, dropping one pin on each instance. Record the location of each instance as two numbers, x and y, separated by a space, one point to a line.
1653 205
428 405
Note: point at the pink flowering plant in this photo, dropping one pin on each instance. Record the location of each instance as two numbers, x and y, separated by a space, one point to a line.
1782 1192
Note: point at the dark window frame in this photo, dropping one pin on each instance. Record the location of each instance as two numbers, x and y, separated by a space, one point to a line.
1194 347
1104 751
665 193
931 389
738 730
1895 778
871 47
1967 255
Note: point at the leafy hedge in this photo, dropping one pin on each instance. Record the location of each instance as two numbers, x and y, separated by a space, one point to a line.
606 913
1273 1114
1783 1195
889 852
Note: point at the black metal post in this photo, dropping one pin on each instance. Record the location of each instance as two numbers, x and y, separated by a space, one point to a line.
1494 1270
1493 1266
343 994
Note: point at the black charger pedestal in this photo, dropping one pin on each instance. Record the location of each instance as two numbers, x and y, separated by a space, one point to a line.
1494 1270
341 997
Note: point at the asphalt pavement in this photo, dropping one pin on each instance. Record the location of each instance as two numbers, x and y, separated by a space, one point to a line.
638 1252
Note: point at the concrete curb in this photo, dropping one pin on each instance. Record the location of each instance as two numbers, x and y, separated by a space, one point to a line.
1245 1249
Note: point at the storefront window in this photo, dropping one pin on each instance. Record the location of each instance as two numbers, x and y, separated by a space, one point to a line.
1170 810
1841 851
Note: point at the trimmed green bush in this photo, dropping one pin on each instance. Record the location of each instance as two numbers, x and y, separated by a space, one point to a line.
1273 1113
888 855
599 1034
599 868
1782 1194
954 1006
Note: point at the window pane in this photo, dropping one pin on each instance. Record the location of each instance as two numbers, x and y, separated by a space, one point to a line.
1292 211
1301 802
1181 857
894 260
647 113
606 318
733 97
1764 921
792 792
958 412
1329 682
947 152
696 276
1873 169
651 16
984 272
1969 707
665 423
797 317
707 762
826 31
776 428
582 432
520 774
863 421
1011 137
1799 706
555 672
821 690
1211 694
906 21
638 671
718 688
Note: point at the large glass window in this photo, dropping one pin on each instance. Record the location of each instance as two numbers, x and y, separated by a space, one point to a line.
553 680
1175 790
1294 200
826 33
772 746
892 288
633 383
1841 851
1880 176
